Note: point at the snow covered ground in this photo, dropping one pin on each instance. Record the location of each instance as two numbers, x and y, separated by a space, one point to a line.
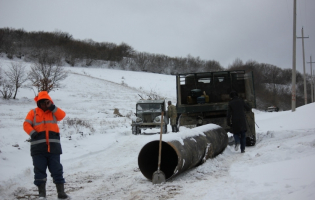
100 159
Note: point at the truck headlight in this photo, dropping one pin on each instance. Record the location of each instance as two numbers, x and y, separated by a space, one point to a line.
138 120
157 119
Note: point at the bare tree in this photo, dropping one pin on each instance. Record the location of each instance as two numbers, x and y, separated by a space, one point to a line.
142 60
16 76
125 63
46 77
6 88
194 64
212 65
236 63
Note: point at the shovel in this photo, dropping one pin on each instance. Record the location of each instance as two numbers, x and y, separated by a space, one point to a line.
158 176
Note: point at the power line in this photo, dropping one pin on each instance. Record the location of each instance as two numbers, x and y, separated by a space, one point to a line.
312 82
305 93
294 59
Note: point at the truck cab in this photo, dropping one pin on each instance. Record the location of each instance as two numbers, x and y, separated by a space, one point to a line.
148 116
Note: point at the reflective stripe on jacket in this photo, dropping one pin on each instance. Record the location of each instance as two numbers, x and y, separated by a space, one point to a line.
45 124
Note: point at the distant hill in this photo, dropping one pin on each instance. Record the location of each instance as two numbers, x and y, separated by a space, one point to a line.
272 84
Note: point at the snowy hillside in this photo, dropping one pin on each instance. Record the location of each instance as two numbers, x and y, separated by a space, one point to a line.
100 155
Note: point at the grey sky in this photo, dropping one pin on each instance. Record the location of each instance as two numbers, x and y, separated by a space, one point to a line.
221 30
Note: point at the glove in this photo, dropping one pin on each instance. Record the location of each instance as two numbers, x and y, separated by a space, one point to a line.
34 135
52 107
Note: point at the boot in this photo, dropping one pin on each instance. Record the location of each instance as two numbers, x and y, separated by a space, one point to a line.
61 191
42 191
173 129
236 147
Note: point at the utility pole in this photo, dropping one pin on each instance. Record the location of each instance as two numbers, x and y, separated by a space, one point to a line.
294 58
305 92
312 82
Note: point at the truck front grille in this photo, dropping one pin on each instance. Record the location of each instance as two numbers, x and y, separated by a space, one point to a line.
147 118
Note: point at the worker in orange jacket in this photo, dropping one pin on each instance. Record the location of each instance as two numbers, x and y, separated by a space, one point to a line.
41 125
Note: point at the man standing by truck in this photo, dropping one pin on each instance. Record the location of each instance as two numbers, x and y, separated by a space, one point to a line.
238 126
172 114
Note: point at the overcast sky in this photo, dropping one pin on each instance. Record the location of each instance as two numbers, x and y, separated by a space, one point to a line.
221 30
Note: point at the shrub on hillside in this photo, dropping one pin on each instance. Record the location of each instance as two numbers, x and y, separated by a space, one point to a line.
78 125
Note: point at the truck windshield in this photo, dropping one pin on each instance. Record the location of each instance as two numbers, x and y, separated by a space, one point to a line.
143 107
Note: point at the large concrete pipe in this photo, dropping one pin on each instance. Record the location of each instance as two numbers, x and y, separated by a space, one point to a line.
183 150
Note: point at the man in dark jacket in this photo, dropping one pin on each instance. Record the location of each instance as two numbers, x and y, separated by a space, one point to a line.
237 121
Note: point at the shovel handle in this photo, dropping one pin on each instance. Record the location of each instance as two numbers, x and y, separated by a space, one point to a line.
160 146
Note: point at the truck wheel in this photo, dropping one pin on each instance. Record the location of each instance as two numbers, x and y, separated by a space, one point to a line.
250 141
136 130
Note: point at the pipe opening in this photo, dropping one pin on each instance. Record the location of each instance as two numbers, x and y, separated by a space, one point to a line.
149 156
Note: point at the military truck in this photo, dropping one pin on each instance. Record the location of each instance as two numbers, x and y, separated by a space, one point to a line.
203 98
148 116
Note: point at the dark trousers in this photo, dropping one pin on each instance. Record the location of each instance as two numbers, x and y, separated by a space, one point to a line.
174 129
240 138
52 161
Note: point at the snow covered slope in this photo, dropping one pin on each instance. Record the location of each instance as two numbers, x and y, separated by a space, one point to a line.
100 156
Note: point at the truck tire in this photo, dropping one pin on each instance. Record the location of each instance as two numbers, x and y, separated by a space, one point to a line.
136 130
250 141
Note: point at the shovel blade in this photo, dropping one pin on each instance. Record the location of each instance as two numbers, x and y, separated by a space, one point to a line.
158 177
